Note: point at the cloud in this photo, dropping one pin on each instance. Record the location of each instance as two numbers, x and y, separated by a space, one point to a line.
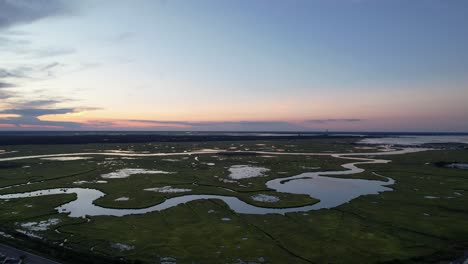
50 66
13 12
339 120
195 126
5 95
157 122
36 103
12 42
29 118
52 52
248 126
17 111
19 46
19 72
32 71
34 122
36 112
6 85
27 114
7 74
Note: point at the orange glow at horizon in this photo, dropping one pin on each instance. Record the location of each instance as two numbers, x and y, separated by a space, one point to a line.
40 126
7 125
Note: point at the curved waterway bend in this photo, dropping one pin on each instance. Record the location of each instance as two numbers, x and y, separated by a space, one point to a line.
331 191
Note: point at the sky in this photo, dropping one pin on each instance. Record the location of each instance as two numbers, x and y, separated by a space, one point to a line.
244 65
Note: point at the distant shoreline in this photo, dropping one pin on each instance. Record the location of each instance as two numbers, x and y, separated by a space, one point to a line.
88 137
141 138
185 132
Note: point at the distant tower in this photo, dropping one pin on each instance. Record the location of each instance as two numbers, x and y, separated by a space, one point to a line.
326 133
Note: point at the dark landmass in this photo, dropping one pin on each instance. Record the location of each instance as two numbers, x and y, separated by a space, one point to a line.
86 137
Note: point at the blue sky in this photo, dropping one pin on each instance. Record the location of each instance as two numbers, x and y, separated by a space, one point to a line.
379 65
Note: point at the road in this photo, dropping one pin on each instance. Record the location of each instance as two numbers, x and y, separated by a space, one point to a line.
30 257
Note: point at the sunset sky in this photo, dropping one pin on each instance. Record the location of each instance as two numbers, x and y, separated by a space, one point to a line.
269 65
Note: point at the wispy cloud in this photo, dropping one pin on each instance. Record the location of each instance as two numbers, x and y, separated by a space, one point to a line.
26 71
29 116
6 85
17 12
339 120
36 112
14 12
35 104
26 50
26 115
9 42
31 71
195 126
52 52
5 94
15 73
16 109
21 113
33 62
